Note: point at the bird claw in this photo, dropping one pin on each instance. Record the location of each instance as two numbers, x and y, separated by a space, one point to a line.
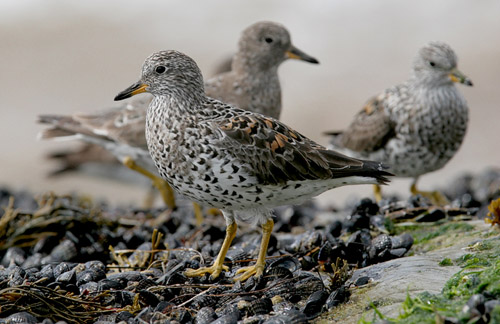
214 212
247 272
439 199
213 270
436 197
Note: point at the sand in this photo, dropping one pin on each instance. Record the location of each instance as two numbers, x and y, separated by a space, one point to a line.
58 57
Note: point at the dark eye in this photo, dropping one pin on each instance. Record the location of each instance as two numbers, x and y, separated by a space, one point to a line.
432 63
160 69
268 40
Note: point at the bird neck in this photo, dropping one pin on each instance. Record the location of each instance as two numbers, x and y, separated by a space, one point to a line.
175 106
250 65
438 95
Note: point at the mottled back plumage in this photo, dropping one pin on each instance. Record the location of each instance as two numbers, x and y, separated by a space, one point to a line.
229 158
236 160
415 127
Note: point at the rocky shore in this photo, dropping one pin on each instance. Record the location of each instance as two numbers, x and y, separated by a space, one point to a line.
69 259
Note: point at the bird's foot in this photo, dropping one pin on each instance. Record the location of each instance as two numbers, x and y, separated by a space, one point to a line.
214 270
214 212
436 197
246 272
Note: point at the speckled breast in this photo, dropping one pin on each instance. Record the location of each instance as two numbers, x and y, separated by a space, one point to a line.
428 139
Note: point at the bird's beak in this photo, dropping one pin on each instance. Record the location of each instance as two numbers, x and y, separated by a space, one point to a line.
134 89
295 53
457 76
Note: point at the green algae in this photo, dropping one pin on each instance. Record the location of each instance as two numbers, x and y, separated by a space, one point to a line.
446 262
428 238
480 274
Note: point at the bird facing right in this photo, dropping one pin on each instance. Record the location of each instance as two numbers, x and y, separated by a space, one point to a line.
415 127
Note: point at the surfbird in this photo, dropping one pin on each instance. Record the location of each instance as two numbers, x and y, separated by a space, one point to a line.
241 162
415 127
252 84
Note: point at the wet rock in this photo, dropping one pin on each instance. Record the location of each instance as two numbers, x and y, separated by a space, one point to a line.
261 306
314 303
474 308
379 249
288 317
337 297
14 255
22 317
89 275
404 240
293 289
335 228
15 276
205 315
308 285
63 267
432 216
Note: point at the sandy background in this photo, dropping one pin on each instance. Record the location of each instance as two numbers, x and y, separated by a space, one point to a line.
60 57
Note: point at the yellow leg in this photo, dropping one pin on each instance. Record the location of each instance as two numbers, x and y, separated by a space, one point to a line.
258 268
165 190
377 192
218 265
198 214
435 197
214 212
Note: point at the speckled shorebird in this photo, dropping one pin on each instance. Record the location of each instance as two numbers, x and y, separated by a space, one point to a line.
415 127
236 160
252 84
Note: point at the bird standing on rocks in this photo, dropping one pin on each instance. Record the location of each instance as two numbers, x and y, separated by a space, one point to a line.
236 160
415 127
252 84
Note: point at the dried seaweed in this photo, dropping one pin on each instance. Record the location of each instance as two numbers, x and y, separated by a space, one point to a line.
50 303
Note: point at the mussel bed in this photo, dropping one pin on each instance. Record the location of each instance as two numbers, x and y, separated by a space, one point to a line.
68 259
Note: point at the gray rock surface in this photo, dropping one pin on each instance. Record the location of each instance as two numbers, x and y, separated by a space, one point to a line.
392 280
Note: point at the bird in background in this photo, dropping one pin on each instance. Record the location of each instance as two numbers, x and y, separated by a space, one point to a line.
238 161
415 127
252 84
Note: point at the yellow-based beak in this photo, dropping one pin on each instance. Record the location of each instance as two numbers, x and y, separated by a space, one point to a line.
295 53
134 89
457 76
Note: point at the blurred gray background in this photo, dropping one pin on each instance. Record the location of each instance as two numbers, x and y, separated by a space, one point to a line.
61 57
